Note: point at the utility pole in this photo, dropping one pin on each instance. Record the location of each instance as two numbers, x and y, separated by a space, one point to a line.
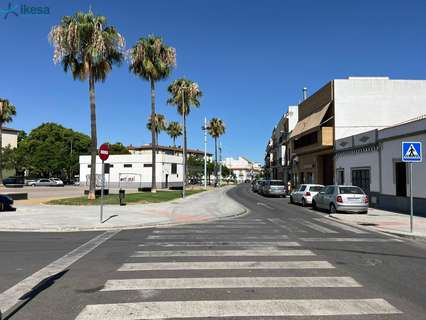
205 153
220 163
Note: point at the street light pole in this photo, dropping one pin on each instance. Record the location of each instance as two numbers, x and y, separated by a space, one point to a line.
205 153
220 163
184 141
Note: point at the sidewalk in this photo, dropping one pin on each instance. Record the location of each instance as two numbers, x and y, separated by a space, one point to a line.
200 207
386 221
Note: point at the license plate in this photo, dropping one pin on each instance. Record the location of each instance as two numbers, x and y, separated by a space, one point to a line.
354 199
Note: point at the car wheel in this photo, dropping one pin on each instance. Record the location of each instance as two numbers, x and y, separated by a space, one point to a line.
303 202
364 212
291 200
314 205
332 208
1 206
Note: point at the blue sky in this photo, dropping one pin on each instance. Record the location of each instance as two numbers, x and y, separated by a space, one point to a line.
250 58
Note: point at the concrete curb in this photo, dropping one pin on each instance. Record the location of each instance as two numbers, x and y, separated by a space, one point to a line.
241 212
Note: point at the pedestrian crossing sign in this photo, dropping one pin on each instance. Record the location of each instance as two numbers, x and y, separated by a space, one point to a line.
411 152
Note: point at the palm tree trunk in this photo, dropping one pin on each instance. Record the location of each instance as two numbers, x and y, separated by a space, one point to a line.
215 162
184 148
94 142
153 137
1 154
174 142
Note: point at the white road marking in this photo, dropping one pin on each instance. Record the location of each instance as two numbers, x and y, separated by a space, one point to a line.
239 282
237 308
341 226
265 205
221 226
282 225
222 253
223 265
216 236
315 226
12 296
215 231
349 240
222 243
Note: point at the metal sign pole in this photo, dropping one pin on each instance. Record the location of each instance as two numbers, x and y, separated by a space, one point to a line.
102 191
411 197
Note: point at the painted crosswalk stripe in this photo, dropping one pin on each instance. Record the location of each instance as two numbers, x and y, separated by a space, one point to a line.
222 253
349 240
234 282
220 265
341 226
315 226
214 231
221 243
237 308
217 236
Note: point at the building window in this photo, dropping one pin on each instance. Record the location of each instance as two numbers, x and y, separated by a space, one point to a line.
174 168
340 176
361 178
401 179
147 165
127 165
306 140
89 165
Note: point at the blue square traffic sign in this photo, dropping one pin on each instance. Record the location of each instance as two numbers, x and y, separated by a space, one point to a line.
411 151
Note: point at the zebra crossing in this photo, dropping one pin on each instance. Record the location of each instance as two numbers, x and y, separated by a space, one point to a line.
222 265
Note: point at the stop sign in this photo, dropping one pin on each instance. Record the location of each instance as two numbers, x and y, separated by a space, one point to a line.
104 152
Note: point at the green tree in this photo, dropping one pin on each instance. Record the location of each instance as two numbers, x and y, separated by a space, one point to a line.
174 130
118 148
152 60
159 125
88 47
184 94
7 112
216 128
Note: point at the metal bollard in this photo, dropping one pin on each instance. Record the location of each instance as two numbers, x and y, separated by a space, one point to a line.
121 195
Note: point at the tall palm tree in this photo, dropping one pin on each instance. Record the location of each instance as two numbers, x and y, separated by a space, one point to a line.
160 125
152 60
216 128
184 94
174 130
87 47
7 112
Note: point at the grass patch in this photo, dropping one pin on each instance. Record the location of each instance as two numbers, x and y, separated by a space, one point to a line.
141 197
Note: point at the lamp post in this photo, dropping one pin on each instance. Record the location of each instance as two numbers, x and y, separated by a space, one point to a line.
220 163
204 128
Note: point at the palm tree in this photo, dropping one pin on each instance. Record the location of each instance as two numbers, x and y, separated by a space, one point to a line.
174 130
160 125
7 111
216 128
88 48
184 93
152 60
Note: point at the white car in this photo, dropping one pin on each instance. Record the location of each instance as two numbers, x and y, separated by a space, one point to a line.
304 194
57 182
341 198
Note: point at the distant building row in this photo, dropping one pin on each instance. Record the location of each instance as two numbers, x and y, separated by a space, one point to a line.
350 131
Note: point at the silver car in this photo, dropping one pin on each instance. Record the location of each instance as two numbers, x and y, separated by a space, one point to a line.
274 188
257 185
305 193
341 198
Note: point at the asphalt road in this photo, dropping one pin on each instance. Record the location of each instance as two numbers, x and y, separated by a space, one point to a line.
278 261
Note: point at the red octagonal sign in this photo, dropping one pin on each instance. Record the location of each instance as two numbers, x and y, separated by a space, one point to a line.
104 152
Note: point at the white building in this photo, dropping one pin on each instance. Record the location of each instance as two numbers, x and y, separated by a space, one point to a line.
134 170
372 161
243 168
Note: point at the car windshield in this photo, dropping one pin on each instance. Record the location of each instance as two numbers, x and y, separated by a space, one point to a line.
315 188
276 183
350 190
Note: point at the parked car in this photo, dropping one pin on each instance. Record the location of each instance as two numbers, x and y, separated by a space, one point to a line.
341 198
256 185
29 182
5 202
304 194
15 182
274 188
45 183
58 182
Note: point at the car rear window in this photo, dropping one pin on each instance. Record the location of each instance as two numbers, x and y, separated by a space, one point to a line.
315 188
350 190
276 183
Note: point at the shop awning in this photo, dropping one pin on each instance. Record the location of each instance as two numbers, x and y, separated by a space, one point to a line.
310 122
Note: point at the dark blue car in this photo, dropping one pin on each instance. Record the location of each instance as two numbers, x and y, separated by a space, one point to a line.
5 202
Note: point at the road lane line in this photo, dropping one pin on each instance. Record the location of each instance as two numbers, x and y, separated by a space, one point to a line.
237 308
222 253
265 205
341 226
220 265
215 236
315 226
216 231
222 243
12 295
348 240
234 282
